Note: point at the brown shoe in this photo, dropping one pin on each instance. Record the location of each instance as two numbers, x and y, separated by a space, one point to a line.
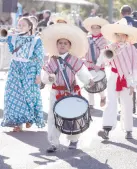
28 125
103 102
17 129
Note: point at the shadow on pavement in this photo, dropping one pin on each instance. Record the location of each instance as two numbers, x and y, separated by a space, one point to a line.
2 164
125 146
96 112
134 120
1 113
36 139
133 141
76 158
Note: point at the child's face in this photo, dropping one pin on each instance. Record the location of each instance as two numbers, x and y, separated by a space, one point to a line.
63 46
61 21
121 37
23 26
95 29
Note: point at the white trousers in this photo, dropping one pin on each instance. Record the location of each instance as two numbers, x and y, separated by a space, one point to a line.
110 113
53 132
90 96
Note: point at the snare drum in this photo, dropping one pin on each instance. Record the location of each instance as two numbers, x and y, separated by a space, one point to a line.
72 114
100 81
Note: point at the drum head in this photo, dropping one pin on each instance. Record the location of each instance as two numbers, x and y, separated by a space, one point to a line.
97 76
71 107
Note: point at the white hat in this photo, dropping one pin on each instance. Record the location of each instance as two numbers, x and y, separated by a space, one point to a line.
122 27
89 22
78 39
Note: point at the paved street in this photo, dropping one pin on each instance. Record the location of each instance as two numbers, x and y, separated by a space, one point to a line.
27 149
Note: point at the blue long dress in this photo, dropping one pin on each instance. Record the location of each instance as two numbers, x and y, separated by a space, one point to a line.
22 100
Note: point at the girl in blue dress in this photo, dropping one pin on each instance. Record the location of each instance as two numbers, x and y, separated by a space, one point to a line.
22 100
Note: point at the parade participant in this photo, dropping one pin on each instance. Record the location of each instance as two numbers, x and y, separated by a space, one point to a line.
96 43
22 102
122 80
56 18
46 18
64 46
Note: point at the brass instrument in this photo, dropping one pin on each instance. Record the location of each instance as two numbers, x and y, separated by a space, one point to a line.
112 51
3 33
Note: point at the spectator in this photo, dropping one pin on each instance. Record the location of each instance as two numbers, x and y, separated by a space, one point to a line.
93 13
125 12
33 12
46 17
39 16
134 15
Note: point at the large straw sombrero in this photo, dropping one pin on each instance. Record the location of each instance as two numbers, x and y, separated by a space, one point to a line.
89 22
61 17
121 26
78 39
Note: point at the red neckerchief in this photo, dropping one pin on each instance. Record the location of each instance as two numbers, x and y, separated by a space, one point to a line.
97 36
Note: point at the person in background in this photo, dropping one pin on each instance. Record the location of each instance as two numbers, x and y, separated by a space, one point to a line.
134 15
126 12
33 12
93 13
46 17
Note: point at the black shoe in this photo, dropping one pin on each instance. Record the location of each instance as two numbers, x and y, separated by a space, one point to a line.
73 145
128 135
42 85
51 149
104 134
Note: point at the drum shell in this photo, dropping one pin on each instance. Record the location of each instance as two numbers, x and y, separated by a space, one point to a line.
99 86
66 122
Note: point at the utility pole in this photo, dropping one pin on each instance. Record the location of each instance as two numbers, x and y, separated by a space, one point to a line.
110 10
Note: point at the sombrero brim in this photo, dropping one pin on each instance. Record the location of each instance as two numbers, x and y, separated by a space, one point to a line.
110 30
89 22
78 39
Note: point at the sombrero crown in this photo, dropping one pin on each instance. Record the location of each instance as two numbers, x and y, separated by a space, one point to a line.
122 27
89 22
78 39
61 17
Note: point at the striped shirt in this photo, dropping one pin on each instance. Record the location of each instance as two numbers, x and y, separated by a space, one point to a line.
52 65
99 44
126 61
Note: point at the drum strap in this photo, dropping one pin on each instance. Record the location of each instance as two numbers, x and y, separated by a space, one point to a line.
91 42
67 64
64 73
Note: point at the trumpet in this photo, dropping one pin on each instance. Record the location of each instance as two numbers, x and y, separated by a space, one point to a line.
3 33
113 51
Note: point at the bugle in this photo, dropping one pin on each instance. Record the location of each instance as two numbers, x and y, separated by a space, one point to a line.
3 32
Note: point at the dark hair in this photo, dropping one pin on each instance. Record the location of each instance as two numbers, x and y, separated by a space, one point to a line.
125 10
134 14
64 38
29 23
47 11
26 14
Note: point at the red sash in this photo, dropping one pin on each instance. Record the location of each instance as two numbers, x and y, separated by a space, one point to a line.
66 93
120 82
